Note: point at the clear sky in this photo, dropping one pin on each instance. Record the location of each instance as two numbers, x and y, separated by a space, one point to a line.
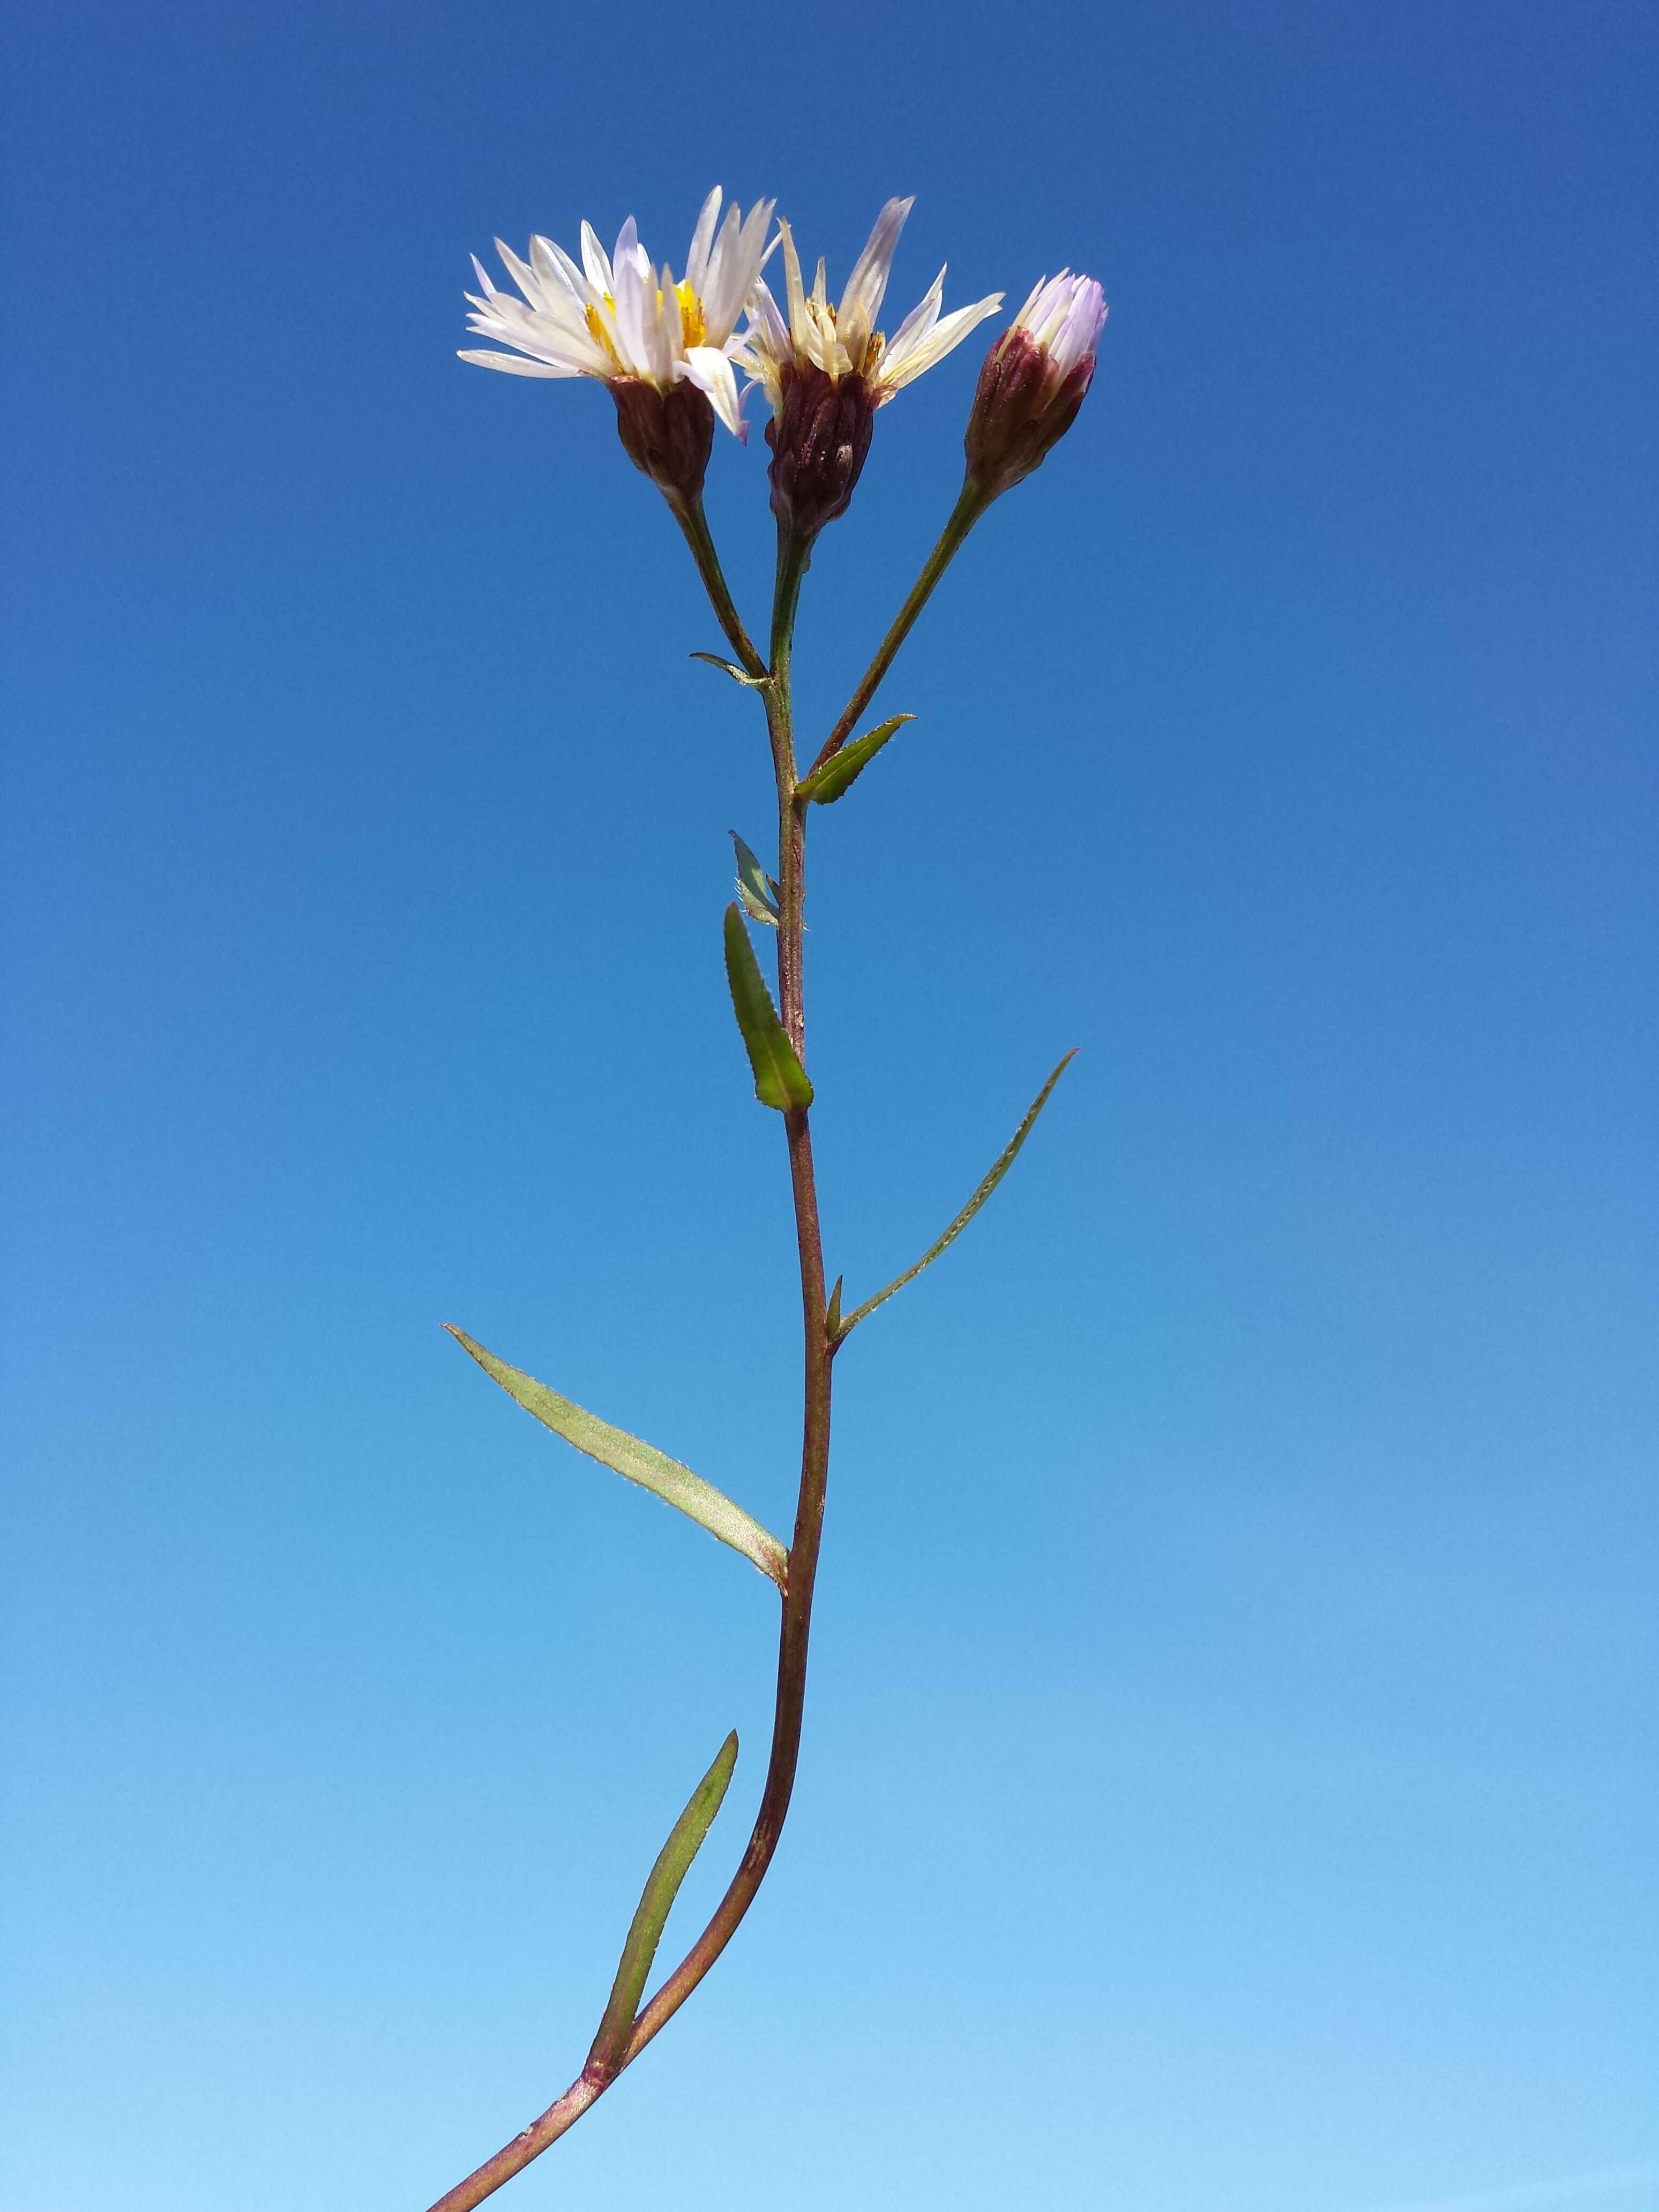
1228 1784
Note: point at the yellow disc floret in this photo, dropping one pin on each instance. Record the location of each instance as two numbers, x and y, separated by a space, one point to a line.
691 315
597 331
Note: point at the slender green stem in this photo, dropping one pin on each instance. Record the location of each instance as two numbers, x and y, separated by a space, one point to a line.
793 558
698 536
796 1627
971 503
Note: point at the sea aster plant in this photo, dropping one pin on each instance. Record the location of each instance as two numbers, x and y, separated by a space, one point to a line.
826 370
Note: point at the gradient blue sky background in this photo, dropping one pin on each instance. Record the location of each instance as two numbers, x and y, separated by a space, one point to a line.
1228 1784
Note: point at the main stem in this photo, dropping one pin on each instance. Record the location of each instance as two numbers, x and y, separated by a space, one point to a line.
795 1628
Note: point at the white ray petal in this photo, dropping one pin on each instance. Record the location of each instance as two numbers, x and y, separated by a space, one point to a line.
1024 313
755 227
946 333
1082 327
629 321
575 278
708 367
822 348
733 271
919 320
564 314
553 272
594 261
766 325
522 324
793 292
514 365
696 258
571 356
663 334
522 275
860 303
628 249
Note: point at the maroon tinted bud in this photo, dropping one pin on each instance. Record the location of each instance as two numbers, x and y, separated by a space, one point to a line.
670 434
1023 407
819 438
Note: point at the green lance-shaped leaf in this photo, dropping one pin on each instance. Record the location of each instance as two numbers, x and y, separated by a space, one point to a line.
639 1462
661 1889
997 1173
755 887
779 1078
826 783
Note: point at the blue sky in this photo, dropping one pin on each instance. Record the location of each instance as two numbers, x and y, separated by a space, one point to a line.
1228 1781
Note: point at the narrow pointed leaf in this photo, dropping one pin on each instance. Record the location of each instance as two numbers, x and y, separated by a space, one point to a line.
662 1888
997 1173
738 675
832 1328
779 1078
755 887
639 1462
842 770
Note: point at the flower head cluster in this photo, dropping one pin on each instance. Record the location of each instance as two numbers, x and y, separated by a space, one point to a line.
1034 380
665 349
669 351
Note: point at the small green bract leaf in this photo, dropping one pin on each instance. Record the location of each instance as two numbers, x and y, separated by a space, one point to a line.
639 1462
780 1080
662 1886
738 675
826 785
755 887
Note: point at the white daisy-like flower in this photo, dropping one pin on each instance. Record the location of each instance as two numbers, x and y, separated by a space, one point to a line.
827 369
618 319
843 341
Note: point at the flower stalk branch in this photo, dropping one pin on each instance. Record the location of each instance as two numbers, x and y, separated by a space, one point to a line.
971 503
694 523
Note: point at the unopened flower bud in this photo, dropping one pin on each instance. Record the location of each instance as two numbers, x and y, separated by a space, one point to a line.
670 434
1033 382
820 438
